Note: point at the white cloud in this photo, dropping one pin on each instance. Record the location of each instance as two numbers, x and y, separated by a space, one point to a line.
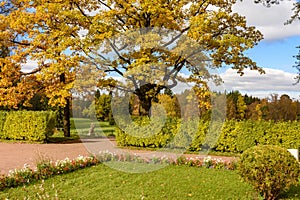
29 66
270 21
262 85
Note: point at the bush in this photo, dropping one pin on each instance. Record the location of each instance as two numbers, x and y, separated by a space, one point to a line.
238 136
28 125
175 133
145 134
2 120
270 169
230 136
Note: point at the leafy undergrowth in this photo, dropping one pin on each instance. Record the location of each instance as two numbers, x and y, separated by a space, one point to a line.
172 182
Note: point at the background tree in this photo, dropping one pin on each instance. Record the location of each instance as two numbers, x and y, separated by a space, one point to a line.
288 108
241 107
170 104
281 108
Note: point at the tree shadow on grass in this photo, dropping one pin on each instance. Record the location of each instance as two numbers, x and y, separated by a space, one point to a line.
292 193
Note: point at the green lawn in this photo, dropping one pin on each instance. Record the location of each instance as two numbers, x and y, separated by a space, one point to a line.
172 182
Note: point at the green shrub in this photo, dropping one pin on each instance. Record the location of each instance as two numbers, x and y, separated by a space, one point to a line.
238 136
270 169
28 125
176 133
147 135
230 136
2 120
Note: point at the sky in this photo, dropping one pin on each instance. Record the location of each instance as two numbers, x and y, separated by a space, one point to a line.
274 53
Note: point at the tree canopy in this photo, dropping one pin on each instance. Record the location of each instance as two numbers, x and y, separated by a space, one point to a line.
63 37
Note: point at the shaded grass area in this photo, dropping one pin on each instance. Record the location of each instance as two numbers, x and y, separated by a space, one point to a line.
80 129
81 126
172 182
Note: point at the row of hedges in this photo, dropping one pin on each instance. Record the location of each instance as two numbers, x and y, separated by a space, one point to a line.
230 136
239 136
27 125
144 134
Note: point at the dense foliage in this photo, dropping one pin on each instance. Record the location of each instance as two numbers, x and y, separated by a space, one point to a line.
64 38
239 136
270 169
27 125
2 120
230 136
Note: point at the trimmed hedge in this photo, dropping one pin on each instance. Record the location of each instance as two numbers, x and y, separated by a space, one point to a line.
239 136
230 136
2 120
28 125
174 134
145 137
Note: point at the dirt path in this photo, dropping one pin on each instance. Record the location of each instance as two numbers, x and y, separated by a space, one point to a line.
15 155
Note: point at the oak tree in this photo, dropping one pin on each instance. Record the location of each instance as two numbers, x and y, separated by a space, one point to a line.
63 36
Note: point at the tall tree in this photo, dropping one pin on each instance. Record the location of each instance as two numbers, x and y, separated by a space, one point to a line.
63 36
288 108
241 107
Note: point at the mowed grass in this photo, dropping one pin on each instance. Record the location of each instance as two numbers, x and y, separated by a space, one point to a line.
172 182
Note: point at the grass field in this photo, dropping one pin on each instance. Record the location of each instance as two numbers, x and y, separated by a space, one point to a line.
172 182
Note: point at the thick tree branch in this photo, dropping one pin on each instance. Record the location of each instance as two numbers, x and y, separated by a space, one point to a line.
176 37
117 52
114 70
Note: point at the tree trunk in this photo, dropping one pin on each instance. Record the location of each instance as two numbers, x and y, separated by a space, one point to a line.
145 105
66 119
146 94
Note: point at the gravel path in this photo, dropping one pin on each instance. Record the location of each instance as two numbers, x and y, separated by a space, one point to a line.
15 155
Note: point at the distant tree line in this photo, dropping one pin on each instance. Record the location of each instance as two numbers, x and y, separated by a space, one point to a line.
238 106
277 108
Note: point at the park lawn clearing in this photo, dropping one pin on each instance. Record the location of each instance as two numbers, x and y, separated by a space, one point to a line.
171 182
81 127
81 130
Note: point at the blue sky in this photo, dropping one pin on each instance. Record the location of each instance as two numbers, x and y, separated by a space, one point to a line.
274 53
